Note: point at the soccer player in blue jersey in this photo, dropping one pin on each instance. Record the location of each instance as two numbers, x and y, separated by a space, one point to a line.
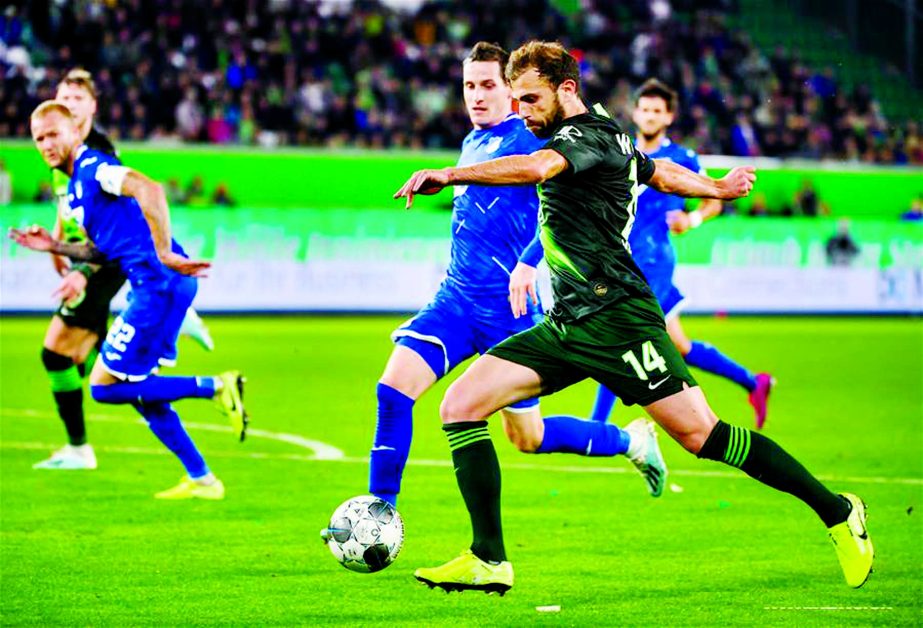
658 215
487 296
126 220
77 328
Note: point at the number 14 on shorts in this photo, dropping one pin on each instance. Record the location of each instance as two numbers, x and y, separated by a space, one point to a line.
650 361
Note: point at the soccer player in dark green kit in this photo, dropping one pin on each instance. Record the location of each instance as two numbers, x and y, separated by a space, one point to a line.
606 323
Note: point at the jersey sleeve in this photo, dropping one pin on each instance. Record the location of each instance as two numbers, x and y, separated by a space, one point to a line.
582 147
645 166
90 170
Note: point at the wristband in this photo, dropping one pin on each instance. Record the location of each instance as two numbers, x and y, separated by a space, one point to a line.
695 219
84 269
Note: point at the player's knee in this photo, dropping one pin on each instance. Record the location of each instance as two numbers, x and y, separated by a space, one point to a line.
683 345
526 442
457 407
693 441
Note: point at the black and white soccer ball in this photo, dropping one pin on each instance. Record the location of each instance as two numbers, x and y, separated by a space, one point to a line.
365 534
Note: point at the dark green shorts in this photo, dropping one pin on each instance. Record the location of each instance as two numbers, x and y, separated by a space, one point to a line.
624 347
93 312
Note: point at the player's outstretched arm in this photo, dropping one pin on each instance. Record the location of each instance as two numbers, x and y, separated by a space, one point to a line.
38 239
513 170
153 202
672 178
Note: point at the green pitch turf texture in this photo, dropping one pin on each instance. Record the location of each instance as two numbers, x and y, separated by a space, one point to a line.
94 548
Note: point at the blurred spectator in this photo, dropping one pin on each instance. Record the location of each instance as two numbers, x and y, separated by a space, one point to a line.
44 193
6 184
915 213
841 247
189 117
173 192
218 129
759 207
807 202
743 137
222 197
335 73
195 193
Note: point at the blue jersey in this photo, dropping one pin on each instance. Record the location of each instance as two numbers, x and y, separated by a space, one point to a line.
114 224
493 226
650 235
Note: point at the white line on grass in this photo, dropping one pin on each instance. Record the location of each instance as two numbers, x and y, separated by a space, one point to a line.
323 451
828 608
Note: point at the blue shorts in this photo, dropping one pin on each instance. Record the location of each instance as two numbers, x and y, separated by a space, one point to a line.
660 279
144 336
462 328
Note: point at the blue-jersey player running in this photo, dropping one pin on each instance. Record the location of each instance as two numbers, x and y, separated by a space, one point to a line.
488 295
659 214
127 222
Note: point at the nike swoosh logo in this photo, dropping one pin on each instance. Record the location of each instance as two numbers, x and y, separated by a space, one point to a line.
383 448
652 385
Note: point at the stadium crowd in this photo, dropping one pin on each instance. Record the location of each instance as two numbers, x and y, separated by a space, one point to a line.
364 74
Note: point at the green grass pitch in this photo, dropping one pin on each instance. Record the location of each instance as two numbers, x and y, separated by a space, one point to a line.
94 548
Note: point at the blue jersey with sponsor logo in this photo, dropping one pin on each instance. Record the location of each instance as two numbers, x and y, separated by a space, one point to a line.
492 226
114 224
650 236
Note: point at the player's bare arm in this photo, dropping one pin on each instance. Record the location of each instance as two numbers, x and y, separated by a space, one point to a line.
153 202
39 239
61 265
513 170
671 178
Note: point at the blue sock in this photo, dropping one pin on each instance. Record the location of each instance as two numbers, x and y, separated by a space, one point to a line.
708 358
165 424
605 400
567 434
392 443
155 389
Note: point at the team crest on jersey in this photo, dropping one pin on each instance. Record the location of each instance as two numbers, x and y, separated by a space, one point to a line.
569 133
493 145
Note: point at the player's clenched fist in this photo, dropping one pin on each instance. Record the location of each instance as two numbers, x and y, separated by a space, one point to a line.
738 182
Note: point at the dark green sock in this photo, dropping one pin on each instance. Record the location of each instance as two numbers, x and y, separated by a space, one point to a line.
67 388
477 471
764 460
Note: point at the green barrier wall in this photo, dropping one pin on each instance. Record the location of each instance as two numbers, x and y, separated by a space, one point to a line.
367 179
283 234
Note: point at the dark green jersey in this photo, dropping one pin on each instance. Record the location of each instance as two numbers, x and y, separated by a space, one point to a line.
586 213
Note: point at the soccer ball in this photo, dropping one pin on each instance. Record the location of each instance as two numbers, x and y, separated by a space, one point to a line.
365 534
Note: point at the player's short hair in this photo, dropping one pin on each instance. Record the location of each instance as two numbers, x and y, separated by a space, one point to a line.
486 51
552 60
653 88
80 78
49 107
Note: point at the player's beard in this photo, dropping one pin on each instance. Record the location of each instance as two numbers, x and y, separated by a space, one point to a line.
554 119
650 137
